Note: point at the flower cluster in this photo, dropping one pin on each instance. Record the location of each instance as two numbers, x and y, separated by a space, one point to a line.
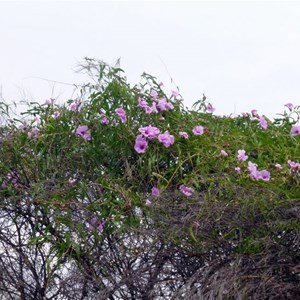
150 133
256 174
158 105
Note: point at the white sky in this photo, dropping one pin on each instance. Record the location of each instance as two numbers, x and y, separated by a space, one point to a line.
241 55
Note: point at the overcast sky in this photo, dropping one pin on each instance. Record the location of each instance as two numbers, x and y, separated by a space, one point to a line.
241 55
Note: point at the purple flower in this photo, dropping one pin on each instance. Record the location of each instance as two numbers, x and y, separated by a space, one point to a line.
242 155
23 127
154 108
84 132
183 134
263 122
295 130
264 175
245 114
174 94
198 130
142 103
74 105
162 105
256 175
186 190
252 168
254 113
169 106
294 166
96 224
148 110
237 169
210 108
56 114
149 132
167 139
154 94
11 177
290 106
155 192
103 119
49 101
34 133
224 153
141 144
278 166
121 114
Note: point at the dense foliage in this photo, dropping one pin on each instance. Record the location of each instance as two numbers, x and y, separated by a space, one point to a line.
127 194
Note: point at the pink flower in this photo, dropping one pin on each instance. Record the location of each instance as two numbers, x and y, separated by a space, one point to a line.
149 132
186 190
242 155
167 139
224 153
141 144
198 130
121 114
295 130
290 106
278 166
155 192
263 123
210 108
74 105
183 134
84 132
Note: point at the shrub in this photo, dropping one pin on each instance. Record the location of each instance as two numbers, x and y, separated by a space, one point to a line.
127 194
